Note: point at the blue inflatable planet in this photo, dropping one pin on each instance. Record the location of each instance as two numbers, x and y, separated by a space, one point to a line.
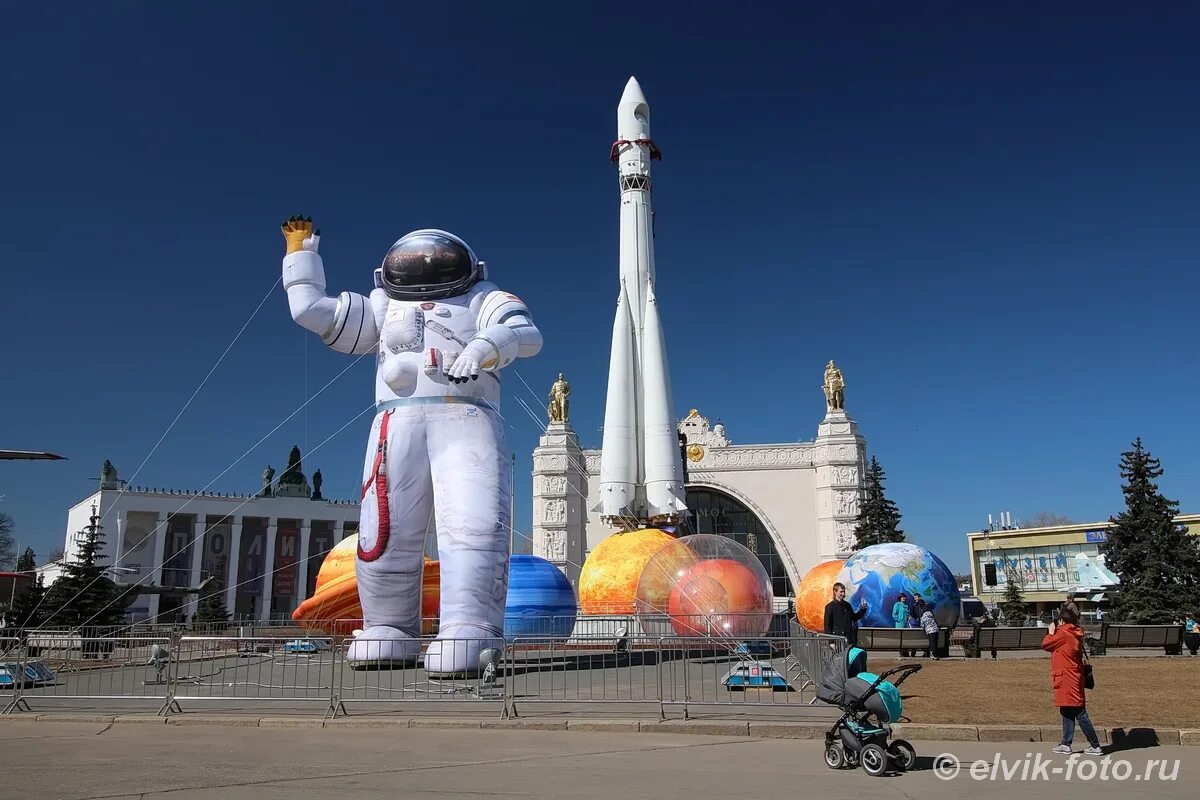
541 602
880 572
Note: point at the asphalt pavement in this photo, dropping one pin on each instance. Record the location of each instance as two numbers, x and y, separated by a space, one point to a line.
74 761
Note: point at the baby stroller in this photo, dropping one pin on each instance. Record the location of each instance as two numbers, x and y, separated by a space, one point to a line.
869 702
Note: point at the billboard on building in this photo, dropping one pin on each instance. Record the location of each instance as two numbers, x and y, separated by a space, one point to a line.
177 554
218 538
136 550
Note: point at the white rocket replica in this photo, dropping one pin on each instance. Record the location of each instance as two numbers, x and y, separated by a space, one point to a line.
641 472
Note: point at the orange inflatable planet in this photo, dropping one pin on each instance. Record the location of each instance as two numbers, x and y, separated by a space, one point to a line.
814 592
608 583
334 607
720 596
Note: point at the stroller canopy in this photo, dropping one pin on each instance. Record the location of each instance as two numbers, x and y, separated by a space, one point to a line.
847 685
837 672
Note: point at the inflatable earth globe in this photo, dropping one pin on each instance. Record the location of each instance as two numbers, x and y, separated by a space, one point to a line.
815 591
704 585
541 602
880 572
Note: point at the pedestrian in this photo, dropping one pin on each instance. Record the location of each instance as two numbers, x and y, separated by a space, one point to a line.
1191 632
840 617
919 608
1071 604
1064 642
931 630
900 613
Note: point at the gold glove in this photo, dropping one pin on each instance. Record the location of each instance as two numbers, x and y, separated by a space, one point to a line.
295 231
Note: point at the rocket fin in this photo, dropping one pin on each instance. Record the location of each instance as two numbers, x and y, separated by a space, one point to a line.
618 458
664 470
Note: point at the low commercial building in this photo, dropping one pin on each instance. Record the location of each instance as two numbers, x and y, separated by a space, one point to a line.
1047 563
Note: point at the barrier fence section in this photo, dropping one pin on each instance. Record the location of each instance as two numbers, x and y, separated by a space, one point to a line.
610 660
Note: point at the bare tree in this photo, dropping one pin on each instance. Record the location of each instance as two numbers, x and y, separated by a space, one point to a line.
1046 519
8 543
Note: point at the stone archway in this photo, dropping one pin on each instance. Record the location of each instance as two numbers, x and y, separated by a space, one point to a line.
719 510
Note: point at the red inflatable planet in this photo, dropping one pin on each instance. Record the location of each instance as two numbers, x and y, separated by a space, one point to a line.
720 597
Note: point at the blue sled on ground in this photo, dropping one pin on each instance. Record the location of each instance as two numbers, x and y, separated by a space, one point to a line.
36 674
755 675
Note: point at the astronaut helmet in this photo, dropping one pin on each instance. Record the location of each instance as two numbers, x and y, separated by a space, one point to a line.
429 264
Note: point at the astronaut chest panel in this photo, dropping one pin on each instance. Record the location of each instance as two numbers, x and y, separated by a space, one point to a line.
417 327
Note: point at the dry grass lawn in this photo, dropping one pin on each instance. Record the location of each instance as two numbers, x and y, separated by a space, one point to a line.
1161 692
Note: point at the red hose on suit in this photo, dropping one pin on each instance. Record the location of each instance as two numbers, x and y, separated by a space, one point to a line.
379 475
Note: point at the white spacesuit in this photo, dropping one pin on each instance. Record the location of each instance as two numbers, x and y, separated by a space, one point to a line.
442 333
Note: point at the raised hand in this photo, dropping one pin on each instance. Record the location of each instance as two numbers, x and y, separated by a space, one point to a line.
299 234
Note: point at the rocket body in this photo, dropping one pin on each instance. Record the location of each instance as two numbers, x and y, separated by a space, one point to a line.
641 474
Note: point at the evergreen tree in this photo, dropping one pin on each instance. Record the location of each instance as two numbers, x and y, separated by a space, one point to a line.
26 562
83 595
1013 604
212 605
1157 561
28 610
878 519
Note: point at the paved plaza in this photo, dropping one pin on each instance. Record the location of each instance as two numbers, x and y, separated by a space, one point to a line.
74 761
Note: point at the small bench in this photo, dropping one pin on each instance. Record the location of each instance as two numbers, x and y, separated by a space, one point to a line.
1168 637
902 639
994 639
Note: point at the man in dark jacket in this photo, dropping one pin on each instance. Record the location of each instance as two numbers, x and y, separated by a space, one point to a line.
840 617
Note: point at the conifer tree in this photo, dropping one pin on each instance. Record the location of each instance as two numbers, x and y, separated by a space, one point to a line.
1013 604
28 610
1157 560
212 605
83 595
878 519
26 563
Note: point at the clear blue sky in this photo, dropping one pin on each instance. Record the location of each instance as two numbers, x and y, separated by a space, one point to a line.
989 217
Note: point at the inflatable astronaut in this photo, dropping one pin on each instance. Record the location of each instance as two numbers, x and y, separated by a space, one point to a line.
442 332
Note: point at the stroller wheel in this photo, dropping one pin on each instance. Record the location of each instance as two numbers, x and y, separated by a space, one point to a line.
904 756
874 760
835 757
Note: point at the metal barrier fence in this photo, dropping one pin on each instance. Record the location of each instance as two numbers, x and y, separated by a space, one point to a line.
614 661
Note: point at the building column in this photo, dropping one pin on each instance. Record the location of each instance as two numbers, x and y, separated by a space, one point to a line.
559 510
302 563
839 455
198 531
160 547
264 613
119 546
231 571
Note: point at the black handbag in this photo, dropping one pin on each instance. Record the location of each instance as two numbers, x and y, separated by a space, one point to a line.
1089 680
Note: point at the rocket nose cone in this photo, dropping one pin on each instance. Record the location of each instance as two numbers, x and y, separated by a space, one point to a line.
633 92
633 113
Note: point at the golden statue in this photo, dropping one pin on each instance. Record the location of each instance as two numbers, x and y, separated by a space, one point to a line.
835 388
559 405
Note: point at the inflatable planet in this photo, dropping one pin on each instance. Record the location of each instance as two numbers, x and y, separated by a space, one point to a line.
814 592
541 602
705 585
609 580
879 573
334 607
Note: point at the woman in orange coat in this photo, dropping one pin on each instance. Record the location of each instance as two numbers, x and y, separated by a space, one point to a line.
1065 644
